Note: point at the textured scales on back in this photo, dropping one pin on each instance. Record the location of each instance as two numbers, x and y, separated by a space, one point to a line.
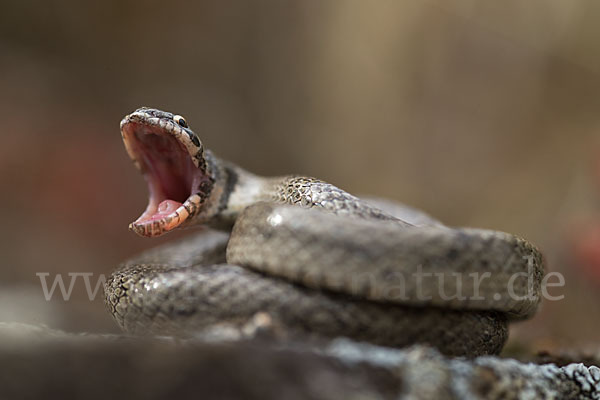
316 260
314 193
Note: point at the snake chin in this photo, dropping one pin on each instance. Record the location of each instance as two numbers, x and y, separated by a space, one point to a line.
169 171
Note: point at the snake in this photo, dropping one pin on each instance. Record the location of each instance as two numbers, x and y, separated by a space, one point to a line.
302 259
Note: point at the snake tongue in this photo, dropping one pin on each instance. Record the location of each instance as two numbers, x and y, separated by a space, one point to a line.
165 208
168 206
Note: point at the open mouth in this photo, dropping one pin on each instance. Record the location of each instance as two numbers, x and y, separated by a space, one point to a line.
167 157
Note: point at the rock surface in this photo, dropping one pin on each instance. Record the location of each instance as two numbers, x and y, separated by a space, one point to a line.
38 362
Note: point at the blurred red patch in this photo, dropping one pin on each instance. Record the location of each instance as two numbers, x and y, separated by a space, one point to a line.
585 245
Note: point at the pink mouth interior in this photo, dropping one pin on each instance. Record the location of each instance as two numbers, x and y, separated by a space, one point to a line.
168 169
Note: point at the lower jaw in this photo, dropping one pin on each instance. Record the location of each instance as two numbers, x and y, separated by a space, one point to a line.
170 215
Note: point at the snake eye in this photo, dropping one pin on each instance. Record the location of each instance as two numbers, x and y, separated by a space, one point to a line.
180 120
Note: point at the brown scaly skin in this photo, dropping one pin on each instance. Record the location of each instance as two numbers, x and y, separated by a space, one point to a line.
327 290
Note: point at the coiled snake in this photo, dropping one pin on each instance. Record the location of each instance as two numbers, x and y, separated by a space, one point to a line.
317 261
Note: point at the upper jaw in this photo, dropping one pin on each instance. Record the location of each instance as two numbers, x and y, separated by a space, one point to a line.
164 121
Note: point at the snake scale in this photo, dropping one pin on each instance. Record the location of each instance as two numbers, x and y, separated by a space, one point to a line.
306 258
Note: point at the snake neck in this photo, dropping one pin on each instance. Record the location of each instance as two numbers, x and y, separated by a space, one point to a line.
189 185
233 190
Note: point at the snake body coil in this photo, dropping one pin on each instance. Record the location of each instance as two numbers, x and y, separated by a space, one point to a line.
316 260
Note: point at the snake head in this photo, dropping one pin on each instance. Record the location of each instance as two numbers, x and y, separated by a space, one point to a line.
171 158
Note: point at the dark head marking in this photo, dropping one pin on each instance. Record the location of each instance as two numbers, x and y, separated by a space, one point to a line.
193 137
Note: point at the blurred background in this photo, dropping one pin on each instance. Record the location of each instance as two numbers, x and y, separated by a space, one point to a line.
482 113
